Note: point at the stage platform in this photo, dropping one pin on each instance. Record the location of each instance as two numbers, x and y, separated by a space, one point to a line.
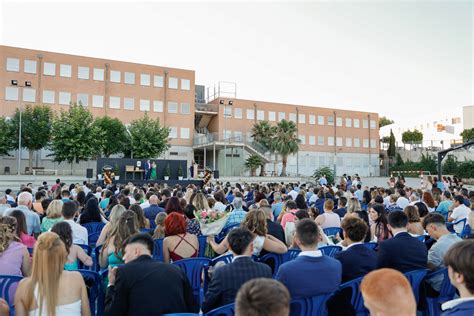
170 182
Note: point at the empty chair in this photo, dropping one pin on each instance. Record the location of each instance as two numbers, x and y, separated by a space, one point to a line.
194 268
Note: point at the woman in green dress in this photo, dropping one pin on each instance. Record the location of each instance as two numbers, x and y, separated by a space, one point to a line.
153 171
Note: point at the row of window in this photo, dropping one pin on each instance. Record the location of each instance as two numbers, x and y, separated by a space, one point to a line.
300 118
183 133
354 162
98 74
65 98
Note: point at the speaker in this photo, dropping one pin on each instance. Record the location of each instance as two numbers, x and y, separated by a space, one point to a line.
89 173
216 174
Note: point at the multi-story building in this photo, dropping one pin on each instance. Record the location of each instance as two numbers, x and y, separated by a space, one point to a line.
216 134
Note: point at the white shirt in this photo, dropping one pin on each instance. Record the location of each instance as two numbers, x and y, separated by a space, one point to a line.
453 303
313 253
353 244
219 206
79 233
460 212
402 202
145 204
293 194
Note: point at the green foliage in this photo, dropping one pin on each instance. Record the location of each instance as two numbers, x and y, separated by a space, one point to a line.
180 171
263 132
115 137
385 139
74 136
6 131
415 137
466 169
383 121
253 162
285 142
325 171
391 145
167 171
450 165
467 135
426 163
148 138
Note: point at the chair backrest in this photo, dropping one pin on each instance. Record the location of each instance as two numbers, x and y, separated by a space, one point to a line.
8 285
357 301
158 249
330 251
226 310
421 238
291 255
415 277
93 227
95 289
194 268
226 258
466 232
95 258
202 245
273 260
220 237
447 289
333 231
86 248
451 225
147 230
371 245
93 237
309 306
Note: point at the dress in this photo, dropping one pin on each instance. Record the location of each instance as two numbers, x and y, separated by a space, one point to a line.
175 257
153 173
72 309
49 222
11 259
71 266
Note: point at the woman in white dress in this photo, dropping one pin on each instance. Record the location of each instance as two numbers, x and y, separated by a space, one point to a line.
51 289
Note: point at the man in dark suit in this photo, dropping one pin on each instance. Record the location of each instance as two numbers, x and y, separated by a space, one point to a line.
227 280
166 195
152 210
402 252
147 168
146 287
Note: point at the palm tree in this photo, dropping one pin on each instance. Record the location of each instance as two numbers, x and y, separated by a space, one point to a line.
285 142
262 133
253 162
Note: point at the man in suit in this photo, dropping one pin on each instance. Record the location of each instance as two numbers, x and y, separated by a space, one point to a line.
357 260
147 168
402 252
227 280
311 273
144 286
153 210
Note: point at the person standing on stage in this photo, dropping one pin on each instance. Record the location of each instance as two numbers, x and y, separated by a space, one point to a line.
147 167
153 171
191 169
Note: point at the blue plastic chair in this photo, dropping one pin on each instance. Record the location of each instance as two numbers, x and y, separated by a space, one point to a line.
93 227
276 260
309 306
330 251
7 292
451 225
194 268
371 245
446 293
202 245
291 254
182 314
357 301
421 238
95 258
415 277
30 251
220 237
466 232
86 248
147 230
158 249
95 291
226 310
226 258
333 231
93 237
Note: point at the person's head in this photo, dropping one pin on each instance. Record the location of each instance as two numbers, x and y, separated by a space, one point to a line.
153 200
262 297
166 193
140 215
25 199
353 205
459 259
377 213
69 209
8 227
54 209
342 201
268 212
428 199
136 246
21 226
366 197
384 289
354 229
435 225
277 197
40 195
92 207
328 205
127 226
307 234
301 214
397 221
238 203
422 209
458 200
173 205
291 205
241 241
116 213
160 219
446 195
175 224
64 232
255 221
200 202
412 213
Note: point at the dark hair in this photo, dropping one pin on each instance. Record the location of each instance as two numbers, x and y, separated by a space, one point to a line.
343 201
459 199
124 200
173 206
402 192
307 232
422 209
20 222
144 239
381 220
64 231
290 205
166 193
45 203
355 228
81 198
302 214
447 194
189 211
40 194
91 212
460 257
378 199
301 202
69 209
398 219
219 196
434 218
366 197
239 239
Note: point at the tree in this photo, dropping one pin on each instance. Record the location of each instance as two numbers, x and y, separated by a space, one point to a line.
415 137
285 142
252 163
262 133
74 136
467 135
383 121
115 138
325 171
148 138
6 130
391 145
36 122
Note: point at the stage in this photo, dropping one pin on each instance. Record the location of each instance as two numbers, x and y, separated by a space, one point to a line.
170 182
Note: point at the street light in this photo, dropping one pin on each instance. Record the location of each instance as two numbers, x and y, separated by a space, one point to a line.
27 84
131 142
230 103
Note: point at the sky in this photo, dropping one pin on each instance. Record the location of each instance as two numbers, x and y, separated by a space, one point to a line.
407 60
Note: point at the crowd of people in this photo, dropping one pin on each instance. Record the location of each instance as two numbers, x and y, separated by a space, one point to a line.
42 230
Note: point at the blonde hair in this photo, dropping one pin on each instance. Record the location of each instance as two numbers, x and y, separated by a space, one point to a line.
7 232
353 205
200 202
256 222
115 214
126 227
160 226
54 209
49 257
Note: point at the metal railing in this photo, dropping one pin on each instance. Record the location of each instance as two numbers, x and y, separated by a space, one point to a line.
204 107
209 138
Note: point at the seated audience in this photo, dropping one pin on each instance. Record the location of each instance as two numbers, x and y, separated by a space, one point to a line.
178 243
379 229
415 227
277 205
227 280
21 230
14 256
192 222
114 218
445 204
79 233
53 215
460 211
341 210
288 215
37 206
91 213
173 205
74 252
143 222
328 218
153 210
25 202
237 215
273 228
160 226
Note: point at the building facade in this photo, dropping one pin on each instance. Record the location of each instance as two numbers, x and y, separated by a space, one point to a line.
215 134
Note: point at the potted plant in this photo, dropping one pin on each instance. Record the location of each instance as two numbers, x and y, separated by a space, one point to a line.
167 172
117 172
180 172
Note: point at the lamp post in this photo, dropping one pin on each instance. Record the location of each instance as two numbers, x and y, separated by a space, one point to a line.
230 103
131 141
27 85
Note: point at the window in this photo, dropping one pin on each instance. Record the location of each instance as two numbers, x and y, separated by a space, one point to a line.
312 140
302 139
238 136
312 119
366 143
356 142
330 141
64 98
338 121
173 83
331 120
48 97
144 79
302 118
172 107
356 123
260 115
144 105
365 123
158 81
173 132
115 76
98 74
65 71
372 124
227 134
272 116
29 66
184 133
83 98
373 143
129 78
29 95
320 140
49 69
281 116
237 113
227 111
185 108
321 120
83 72
157 106
292 117
129 104
348 142
250 114
13 64
98 101
185 84
11 93
348 122
339 141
